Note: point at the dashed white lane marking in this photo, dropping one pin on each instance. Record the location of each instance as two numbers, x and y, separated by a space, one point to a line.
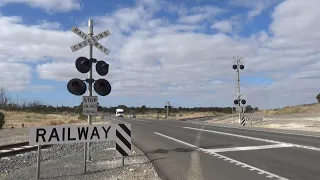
258 139
224 157
246 148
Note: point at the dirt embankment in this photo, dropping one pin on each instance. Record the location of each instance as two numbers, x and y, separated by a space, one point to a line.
303 117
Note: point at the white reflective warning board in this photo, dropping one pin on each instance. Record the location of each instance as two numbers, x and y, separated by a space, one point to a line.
63 134
90 40
90 105
241 109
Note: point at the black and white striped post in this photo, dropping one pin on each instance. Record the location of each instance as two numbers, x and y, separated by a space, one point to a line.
123 141
243 121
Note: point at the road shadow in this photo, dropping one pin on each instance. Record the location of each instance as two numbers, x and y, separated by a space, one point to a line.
165 151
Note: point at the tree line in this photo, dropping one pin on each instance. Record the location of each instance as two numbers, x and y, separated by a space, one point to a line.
9 103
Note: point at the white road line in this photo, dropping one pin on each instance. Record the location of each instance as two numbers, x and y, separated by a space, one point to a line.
116 119
5 150
224 157
142 120
278 132
246 148
258 139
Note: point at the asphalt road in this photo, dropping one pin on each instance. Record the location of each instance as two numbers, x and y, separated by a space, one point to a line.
182 151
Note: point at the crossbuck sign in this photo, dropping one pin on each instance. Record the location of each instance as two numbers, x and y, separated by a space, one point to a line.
90 40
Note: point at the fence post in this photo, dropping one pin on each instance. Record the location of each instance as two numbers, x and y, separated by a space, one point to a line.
38 161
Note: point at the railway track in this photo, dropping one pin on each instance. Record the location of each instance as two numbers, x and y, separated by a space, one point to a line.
17 148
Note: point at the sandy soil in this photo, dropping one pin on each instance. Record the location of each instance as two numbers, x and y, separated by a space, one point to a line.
295 122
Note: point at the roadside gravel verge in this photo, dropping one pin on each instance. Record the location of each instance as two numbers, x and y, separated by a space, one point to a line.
105 166
13 163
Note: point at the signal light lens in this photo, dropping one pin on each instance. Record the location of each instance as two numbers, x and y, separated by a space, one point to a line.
102 87
83 65
243 101
234 66
76 86
235 101
102 68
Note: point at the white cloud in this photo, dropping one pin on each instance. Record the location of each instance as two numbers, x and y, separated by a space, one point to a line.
156 57
14 76
255 7
48 25
199 14
223 26
48 5
34 43
193 19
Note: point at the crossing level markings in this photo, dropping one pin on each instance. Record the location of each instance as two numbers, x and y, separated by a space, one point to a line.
225 158
254 138
90 40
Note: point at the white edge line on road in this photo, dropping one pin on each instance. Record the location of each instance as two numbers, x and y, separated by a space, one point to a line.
244 165
278 132
247 148
258 139
115 119
147 121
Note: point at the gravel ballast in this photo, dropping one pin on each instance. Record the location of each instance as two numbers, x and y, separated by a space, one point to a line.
105 166
12 163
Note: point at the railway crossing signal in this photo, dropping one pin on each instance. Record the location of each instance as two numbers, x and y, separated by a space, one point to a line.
102 87
238 65
77 86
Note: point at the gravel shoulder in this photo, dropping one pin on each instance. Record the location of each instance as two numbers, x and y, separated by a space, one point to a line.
65 161
105 166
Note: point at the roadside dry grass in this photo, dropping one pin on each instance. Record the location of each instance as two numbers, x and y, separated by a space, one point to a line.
198 115
178 116
17 118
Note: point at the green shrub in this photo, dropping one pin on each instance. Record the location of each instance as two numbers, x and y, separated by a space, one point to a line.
2 120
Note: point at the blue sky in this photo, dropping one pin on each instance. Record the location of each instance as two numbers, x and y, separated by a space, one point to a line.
159 50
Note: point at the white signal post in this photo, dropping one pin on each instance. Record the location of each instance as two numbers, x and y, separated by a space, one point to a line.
90 40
